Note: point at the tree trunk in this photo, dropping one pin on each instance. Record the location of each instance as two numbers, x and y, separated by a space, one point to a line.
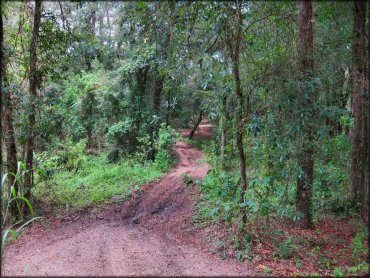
92 31
233 46
222 146
2 68
239 137
157 95
223 121
196 125
158 87
90 103
93 22
360 142
109 26
168 113
9 137
159 81
33 84
11 148
305 158
137 102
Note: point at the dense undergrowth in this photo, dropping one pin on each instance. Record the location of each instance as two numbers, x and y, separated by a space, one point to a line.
75 179
271 241
96 181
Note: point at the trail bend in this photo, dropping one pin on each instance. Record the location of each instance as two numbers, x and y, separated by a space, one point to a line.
151 234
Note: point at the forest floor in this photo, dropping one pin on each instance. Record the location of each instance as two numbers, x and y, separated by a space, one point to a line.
151 234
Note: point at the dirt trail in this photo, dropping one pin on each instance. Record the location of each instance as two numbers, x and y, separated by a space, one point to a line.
152 234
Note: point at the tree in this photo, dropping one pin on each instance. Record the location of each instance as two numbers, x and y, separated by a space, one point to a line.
2 68
33 85
165 43
306 156
233 43
196 124
9 137
360 141
88 59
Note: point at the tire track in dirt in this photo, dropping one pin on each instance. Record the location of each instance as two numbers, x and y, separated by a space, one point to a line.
151 234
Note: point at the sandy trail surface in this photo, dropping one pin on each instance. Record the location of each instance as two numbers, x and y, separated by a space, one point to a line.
151 234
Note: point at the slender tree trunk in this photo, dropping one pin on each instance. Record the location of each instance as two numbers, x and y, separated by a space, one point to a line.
9 137
91 97
306 157
11 148
93 22
360 144
223 121
90 103
92 30
196 125
367 182
33 84
158 88
109 26
239 137
2 68
168 113
233 46
137 100
222 146
157 95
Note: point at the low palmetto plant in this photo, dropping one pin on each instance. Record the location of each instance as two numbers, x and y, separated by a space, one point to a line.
10 196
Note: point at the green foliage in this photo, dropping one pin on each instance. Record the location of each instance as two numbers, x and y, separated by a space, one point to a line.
96 181
9 196
78 180
359 250
338 272
220 192
163 160
67 155
298 264
166 137
187 179
361 268
243 247
13 194
117 132
266 269
287 249
330 187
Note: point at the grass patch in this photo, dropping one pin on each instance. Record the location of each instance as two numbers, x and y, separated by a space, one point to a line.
97 180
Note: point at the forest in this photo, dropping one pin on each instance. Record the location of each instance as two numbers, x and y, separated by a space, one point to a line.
220 138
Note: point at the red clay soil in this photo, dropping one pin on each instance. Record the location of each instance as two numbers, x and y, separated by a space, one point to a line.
152 234
320 250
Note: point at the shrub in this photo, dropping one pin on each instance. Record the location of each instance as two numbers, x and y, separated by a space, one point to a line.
338 272
287 248
358 248
68 156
